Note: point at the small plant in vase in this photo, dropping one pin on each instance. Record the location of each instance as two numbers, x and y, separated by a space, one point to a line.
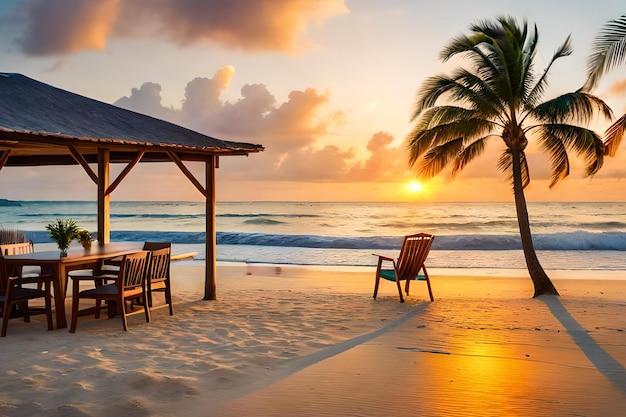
63 232
85 238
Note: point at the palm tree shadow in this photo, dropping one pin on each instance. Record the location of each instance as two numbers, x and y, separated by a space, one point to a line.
601 359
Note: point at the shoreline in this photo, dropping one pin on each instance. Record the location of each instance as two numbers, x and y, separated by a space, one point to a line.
602 274
595 262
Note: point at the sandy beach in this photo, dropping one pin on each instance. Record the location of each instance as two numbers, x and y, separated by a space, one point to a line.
283 341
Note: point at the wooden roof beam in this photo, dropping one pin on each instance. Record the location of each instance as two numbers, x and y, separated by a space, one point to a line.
124 173
79 158
188 173
4 157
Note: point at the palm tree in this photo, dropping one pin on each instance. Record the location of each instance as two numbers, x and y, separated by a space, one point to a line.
499 96
608 51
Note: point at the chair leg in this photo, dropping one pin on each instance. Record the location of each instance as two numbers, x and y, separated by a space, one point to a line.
48 302
399 289
6 313
75 299
149 297
98 283
406 286
168 297
376 286
430 291
380 261
112 309
25 311
146 308
123 312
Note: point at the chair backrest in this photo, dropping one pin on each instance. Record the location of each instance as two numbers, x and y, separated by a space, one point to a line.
159 263
152 246
414 252
133 270
7 249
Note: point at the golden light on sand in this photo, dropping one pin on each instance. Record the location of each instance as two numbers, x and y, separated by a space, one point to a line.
414 186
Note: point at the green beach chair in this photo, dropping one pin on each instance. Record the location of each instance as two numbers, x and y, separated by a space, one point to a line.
407 266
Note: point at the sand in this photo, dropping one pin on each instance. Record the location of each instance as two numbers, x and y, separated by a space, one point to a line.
289 341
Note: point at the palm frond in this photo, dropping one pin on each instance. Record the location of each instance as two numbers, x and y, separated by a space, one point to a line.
585 142
608 50
477 93
468 153
558 156
423 136
463 44
440 115
528 75
436 159
63 232
492 29
577 106
613 136
462 86
537 91
430 91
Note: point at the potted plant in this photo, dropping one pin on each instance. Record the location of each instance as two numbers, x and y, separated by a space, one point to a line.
63 232
84 237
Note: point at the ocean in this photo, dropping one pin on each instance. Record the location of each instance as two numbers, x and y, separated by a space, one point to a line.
567 236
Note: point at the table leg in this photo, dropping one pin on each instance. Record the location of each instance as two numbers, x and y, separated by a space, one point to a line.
59 296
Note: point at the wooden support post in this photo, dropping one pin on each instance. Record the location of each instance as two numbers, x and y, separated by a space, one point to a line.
4 157
104 199
211 242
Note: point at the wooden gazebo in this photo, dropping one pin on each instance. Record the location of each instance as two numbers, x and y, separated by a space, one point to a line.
44 125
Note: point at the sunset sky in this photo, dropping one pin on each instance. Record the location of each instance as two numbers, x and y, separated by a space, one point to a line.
327 86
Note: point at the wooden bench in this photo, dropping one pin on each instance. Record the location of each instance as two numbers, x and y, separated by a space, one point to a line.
183 256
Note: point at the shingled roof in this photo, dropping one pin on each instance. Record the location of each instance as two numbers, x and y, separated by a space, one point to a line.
39 124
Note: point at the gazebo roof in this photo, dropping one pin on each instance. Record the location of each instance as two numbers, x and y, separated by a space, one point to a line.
41 125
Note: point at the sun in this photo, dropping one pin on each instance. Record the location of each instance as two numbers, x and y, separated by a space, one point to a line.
414 186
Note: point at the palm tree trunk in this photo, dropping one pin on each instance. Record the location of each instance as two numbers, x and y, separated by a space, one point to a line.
540 279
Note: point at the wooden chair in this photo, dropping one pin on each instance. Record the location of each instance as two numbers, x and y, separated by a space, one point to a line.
158 276
100 274
130 284
14 296
407 267
7 249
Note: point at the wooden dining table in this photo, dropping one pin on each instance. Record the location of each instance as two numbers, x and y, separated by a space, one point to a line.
52 262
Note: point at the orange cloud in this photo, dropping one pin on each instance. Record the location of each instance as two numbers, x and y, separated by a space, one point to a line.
65 26
252 25
202 94
291 132
386 163
618 88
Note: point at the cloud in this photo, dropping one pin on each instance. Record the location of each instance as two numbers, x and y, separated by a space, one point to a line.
618 88
253 25
67 26
291 132
202 98
386 163
147 100
54 27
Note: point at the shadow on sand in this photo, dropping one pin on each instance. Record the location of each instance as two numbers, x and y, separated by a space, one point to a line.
605 363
